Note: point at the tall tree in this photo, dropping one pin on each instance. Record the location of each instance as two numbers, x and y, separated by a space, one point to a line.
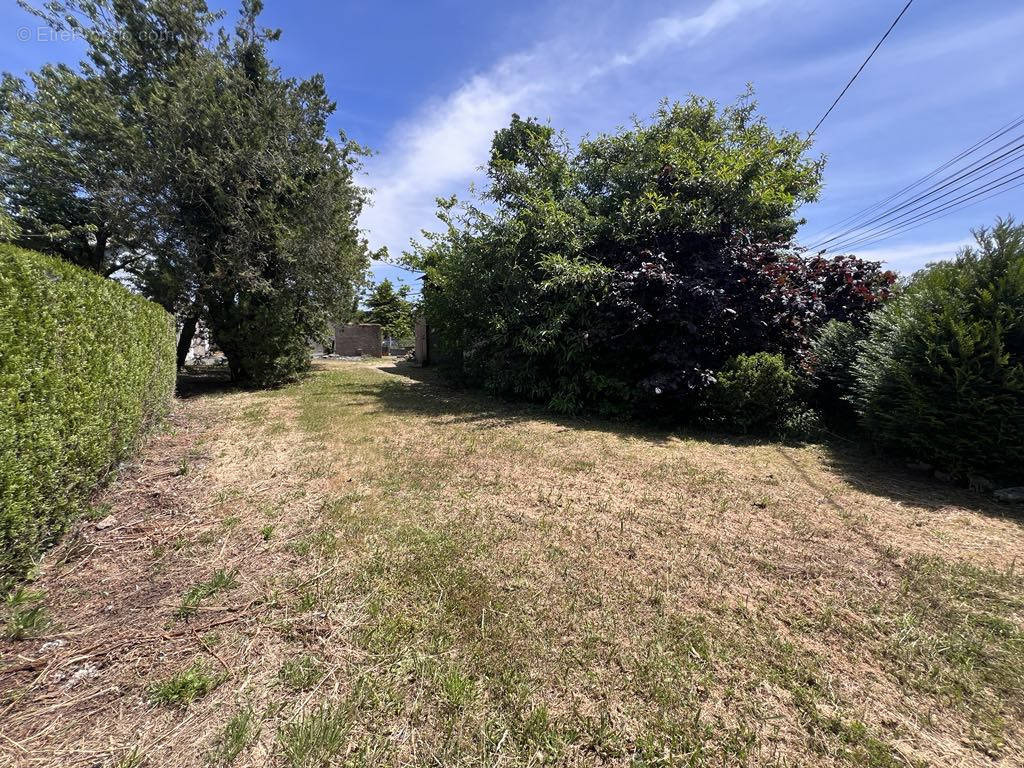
230 202
621 275
76 160
390 309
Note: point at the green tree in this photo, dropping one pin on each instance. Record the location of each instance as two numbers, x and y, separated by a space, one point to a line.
235 207
621 275
940 376
390 309
75 144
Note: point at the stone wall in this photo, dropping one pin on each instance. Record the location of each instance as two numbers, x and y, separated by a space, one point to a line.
363 339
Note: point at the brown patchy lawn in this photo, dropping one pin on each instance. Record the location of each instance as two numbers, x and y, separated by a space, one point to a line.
370 569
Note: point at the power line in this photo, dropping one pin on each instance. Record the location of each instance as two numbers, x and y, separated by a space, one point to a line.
863 214
860 69
973 197
958 180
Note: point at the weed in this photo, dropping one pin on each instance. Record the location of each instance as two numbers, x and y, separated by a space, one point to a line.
132 759
190 684
221 581
26 614
240 730
457 690
302 672
315 738
267 532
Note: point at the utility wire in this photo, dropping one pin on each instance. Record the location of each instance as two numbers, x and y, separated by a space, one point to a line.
990 189
864 213
957 208
935 207
958 180
860 69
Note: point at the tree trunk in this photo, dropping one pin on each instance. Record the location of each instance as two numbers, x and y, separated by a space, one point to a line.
99 253
188 332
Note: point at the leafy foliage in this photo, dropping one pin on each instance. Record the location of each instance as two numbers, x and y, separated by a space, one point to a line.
186 159
191 683
940 377
752 393
87 368
390 309
621 277
830 380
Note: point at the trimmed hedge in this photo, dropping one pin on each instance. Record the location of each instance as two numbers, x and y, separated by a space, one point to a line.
940 377
86 367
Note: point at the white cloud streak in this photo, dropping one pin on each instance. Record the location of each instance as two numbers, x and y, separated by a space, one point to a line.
440 149
909 258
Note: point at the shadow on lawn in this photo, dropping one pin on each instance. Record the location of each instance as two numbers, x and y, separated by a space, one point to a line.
431 394
198 380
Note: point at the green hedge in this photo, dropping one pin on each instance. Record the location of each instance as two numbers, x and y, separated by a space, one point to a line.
86 367
940 377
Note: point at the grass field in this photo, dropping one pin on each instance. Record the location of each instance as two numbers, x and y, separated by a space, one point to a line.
369 568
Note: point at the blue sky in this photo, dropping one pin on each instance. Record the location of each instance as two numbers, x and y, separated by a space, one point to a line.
425 84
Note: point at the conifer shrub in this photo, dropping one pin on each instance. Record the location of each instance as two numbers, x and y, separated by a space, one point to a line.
940 376
86 367
828 386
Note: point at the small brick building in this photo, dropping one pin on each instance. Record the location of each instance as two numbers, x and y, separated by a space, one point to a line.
363 339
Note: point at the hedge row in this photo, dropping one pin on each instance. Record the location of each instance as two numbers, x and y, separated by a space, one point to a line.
86 367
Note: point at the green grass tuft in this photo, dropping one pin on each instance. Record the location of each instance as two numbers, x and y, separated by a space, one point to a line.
190 684
315 738
221 581
239 732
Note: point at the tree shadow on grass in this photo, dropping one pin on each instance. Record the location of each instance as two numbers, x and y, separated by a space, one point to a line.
198 380
213 379
431 394
889 477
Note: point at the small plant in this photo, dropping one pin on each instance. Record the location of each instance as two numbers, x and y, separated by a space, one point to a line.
132 759
267 532
315 738
752 393
457 690
240 730
182 467
26 614
221 581
190 684
302 672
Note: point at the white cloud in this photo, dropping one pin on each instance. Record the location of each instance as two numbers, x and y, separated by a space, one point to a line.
677 29
911 257
439 150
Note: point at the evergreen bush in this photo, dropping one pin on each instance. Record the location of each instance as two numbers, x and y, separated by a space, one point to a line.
752 393
85 368
940 378
829 384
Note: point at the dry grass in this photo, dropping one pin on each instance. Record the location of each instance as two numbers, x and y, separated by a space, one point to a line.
368 568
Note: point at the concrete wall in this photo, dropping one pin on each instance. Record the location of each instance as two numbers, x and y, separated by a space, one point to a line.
363 339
